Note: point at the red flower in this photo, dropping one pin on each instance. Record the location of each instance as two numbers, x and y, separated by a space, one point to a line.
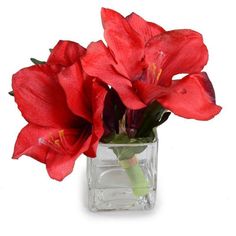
63 99
99 62
141 60
63 107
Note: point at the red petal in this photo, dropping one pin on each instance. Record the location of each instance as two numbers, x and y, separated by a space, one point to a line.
191 97
40 144
177 51
27 142
73 82
99 93
149 92
60 165
146 29
40 98
65 53
126 44
98 62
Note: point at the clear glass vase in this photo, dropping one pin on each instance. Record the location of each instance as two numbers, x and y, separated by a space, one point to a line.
123 177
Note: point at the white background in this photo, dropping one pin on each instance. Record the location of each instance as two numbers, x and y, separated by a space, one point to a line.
197 160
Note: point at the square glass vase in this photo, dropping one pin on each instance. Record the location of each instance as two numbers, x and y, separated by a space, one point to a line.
123 177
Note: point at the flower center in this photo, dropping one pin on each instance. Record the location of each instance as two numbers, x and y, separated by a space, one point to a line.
153 74
57 142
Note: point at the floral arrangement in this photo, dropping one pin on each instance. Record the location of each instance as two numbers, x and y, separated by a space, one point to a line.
117 92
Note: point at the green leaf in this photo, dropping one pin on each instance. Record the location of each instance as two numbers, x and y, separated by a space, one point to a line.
11 93
37 62
164 118
154 116
126 152
108 138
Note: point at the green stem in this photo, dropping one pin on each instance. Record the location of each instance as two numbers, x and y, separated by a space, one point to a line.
136 176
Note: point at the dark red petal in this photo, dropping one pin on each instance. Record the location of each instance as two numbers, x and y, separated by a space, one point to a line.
72 81
99 92
191 97
113 112
40 97
60 165
125 43
176 51
98 62
65 53
28 142
146 29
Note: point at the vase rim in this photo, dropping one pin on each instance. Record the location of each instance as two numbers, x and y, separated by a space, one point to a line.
129 144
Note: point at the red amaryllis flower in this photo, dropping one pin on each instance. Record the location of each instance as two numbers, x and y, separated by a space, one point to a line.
63 107
141 60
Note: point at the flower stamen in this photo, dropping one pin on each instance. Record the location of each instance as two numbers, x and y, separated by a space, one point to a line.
56 142
159 74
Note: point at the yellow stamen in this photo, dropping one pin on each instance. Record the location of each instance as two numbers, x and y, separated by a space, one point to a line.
61 133
51 139
153 68
57 142
159 74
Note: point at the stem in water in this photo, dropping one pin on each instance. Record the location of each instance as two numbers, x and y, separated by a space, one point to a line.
136 176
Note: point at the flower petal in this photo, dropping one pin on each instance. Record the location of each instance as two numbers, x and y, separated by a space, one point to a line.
27 142
146 29
72 81
125 43
149 92
176 51
40 97
191 97
65 53
99 63
59 165
99 92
